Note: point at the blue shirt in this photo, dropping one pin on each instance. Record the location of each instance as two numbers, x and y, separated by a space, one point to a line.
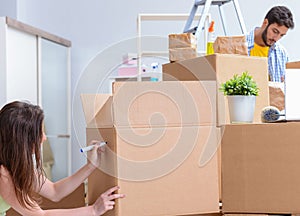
277 58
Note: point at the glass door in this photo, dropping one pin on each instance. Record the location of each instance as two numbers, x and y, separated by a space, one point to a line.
55 101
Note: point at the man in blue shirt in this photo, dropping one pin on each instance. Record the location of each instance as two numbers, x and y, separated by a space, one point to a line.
262 41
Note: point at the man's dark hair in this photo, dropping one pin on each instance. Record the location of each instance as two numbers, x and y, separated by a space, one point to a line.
280 15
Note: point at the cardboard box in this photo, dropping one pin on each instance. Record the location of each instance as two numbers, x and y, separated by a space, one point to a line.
222 67
260 168
153 104
159 153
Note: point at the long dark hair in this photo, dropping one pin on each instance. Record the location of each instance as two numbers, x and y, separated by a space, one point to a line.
21 134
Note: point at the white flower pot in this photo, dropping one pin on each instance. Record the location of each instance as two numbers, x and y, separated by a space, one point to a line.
241 108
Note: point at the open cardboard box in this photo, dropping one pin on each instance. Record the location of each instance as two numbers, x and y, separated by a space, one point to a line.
220 68
162 140
260 168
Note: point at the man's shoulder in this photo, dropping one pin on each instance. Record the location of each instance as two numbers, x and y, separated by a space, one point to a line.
250 37
250 33
280 48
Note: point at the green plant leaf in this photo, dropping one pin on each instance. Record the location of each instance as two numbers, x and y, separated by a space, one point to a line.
240 85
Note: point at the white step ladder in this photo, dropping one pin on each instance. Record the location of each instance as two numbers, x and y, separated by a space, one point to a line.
207 3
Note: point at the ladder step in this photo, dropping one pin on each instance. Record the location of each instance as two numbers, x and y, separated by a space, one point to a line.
192 30
214 2
204 14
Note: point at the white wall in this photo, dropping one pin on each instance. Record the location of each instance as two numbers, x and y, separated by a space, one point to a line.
9 8
104 30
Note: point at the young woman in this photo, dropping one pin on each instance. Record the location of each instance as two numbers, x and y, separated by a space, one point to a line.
21 173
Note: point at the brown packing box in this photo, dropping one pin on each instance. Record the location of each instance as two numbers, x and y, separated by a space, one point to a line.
260 168
182 40
153 104
221 67
160 154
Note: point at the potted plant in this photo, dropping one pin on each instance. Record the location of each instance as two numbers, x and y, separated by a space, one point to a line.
241 92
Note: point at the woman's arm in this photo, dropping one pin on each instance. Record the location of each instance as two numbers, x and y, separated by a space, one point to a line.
104 203
58 190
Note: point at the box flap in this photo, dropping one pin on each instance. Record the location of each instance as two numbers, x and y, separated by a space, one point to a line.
191 69
97 110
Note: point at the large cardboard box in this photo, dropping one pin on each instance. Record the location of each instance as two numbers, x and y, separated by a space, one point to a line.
221 67
161 147
260 168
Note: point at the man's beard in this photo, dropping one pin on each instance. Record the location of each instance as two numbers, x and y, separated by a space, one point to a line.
264 36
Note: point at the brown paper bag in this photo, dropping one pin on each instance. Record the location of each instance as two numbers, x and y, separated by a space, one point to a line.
231 45
183 40
179 54
277 96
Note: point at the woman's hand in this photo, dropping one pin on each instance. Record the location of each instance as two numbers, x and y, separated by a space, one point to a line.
106 201
94 156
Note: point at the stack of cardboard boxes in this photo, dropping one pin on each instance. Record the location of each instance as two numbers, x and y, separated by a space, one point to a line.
259 161
260 166
163 140
163 137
